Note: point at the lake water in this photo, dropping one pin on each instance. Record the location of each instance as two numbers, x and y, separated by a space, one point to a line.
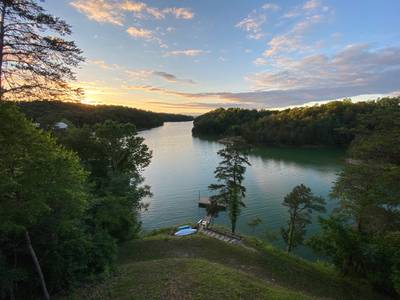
182 168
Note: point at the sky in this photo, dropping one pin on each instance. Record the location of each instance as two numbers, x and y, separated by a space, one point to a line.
194 56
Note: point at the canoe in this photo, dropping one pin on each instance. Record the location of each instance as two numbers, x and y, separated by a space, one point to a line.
186 231
184 227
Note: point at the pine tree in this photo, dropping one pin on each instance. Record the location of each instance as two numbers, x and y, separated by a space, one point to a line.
301 204
36 61
230 174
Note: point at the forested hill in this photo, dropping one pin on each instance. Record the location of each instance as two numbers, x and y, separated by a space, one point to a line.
49 112
328 124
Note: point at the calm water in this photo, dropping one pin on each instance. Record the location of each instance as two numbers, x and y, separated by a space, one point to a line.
183 166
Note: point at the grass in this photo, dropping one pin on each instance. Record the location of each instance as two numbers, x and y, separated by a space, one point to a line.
161 266
184 278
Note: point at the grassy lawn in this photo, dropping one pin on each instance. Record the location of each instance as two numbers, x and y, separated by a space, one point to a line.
198 267
184 278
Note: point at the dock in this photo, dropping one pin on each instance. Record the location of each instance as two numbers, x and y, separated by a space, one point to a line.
206 201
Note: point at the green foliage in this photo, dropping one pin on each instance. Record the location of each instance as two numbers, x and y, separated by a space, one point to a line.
116 215
301 203
47 113
230 174
75 218
327 124
42 191
34 183
363 236
115 157
340 242
224 121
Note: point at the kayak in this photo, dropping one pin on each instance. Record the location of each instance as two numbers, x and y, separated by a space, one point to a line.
184 227
186 231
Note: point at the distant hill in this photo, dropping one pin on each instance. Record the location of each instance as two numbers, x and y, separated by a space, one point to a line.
47 113
328 124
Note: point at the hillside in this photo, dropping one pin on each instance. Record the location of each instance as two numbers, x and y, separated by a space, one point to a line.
330 124
49 112
198 267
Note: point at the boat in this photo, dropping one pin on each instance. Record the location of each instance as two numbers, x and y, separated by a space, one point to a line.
185 230
184 227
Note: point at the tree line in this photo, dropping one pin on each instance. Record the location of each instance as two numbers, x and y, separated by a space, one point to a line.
326 124
47 113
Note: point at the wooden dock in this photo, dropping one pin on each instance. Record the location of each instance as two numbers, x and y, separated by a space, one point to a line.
206 201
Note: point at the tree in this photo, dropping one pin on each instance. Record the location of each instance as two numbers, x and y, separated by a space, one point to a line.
115 157
301 203
230 174
363 235
253 223
38 180
36 61
368 187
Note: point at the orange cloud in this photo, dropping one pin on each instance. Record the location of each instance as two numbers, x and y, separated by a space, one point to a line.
137 32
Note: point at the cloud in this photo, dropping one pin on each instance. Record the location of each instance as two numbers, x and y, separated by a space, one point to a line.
141 9
141 74
222 59
208 95
293 40
144 74
136 7
146 34
137 32
187 52
263 99
103 65
180 13
252 24
358 66
270 6
171 77
199 105
304 25
355 70
99 10
311 4
114 12
260 61
282 43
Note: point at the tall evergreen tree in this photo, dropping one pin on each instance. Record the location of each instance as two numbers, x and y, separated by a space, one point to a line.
230 174
36 61
301 203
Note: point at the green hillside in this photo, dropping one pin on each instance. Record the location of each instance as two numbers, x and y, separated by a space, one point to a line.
198 267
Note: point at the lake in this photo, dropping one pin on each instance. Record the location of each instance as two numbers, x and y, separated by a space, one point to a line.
182 168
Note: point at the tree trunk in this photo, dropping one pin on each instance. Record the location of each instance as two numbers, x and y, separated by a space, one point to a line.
233 227
3 13
37 266
290 236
